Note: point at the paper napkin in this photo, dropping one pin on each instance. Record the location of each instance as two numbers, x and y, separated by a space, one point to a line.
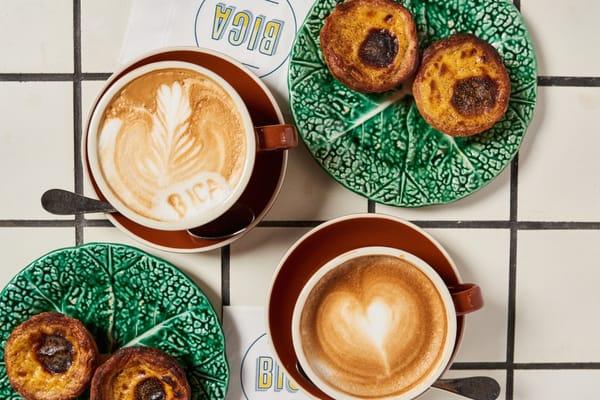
255 374
258 33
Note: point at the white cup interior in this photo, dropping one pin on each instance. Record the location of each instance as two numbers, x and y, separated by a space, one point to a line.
365 251
94 162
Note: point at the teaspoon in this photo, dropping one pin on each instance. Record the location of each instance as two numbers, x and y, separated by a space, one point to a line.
475 388
235 221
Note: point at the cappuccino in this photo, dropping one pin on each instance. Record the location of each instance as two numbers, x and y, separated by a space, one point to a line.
172 145
375 326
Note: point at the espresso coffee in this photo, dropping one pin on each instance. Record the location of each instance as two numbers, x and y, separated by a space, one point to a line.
375 326
172 145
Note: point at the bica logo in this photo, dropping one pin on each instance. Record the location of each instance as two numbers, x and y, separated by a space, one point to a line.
258 33
262 377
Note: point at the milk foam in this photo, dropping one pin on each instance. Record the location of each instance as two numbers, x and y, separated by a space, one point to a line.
172 145
374 327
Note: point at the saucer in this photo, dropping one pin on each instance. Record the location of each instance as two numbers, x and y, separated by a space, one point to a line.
326 242
269 170
378 145
125 297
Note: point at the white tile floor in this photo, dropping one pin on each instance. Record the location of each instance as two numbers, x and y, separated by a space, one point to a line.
36 145
485 334
559 159
554 274
557 384
20 246
565 34
558 297
103 25
36 36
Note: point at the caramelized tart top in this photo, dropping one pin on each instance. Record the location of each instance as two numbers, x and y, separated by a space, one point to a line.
50 357
140 373
370 45
462 87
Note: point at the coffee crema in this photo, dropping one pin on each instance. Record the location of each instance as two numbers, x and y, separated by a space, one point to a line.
172 145
373 327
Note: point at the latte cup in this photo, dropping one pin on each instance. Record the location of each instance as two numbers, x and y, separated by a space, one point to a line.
190 200
459 300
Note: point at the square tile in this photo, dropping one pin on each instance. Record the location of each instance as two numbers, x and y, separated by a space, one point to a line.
490 203
557 296
21 246
37 145
36 36
559 163
254 260
103 25
435 394
309 193
566 50
556 385
482 257
203 268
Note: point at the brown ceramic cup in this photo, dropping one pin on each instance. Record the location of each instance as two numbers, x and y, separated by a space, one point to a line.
257 139
460 300
269 169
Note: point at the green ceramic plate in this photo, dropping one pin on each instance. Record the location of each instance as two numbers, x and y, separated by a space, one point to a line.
378 145
125 297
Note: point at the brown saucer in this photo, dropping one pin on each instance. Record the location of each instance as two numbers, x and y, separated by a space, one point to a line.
269 169
326 242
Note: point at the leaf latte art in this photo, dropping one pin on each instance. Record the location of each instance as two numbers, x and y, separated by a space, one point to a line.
172 145
374 327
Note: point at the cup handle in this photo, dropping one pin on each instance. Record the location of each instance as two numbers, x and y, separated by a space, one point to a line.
276 137
467 298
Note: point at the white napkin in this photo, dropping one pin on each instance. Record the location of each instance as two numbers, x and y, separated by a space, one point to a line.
255 374
258 33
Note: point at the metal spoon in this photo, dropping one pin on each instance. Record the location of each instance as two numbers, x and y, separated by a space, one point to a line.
476 388
235 221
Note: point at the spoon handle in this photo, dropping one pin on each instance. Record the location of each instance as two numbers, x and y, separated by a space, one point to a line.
476 388
63 202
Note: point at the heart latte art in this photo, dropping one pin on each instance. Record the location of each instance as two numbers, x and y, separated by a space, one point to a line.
172 145
374 327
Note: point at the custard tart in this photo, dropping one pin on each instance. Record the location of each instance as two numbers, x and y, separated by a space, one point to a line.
370 45
140 373
50 357
462 87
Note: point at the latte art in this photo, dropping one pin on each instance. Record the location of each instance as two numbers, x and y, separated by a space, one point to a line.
172 145
374 327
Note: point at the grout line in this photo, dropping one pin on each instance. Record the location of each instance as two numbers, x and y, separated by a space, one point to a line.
463 224
53 77
490 224
565 81
51 223
558 366
512 277
289 224
525 366
478 365
34 77
225 276
569 81
517 4
372 207
97 223
77 119
95 76
557 225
